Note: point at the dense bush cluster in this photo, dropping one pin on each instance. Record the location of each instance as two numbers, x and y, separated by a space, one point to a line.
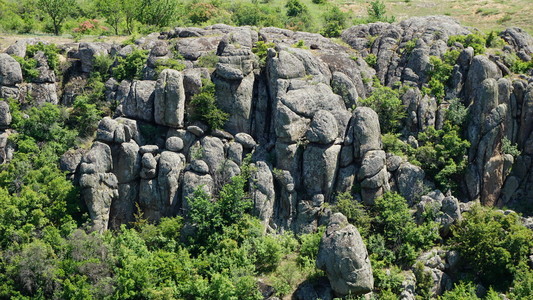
106 17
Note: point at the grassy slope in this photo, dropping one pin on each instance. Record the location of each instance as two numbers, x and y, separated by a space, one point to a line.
485 15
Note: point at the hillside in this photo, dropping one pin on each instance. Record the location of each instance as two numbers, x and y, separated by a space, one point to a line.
227 162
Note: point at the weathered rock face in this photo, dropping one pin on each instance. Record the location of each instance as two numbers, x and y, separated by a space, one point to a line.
343 256
296 112
169 100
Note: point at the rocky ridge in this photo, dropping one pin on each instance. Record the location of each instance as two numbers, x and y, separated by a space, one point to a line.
296 115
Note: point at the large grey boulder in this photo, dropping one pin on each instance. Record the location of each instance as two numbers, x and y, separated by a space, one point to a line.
5 114
171 165
99 190
129 162
10 71
343 256
263 192
139 103
323 128
191 182
319 168
169 99
518 39
366 131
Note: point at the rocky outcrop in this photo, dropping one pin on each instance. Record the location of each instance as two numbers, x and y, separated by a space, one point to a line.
343 256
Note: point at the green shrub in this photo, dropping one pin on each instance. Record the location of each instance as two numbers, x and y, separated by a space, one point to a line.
335 22
209 60
387 104
377 11
476 41
493 243
50 51
442 154
510 148
131 66
86 116
354 211
402 236
268 253
439 73
310 243
462 290
28 67
170 63
371 59
300 44
102 64
205 108
295 8
261 50
456 113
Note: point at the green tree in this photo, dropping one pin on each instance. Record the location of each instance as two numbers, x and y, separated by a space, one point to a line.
335 22
493 243
295 8
158 13
387 104
377 11
58 11
205 108
112 11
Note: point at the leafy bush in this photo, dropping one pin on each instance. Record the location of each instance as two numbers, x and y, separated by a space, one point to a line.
310 243
85 115
295 8
261 50
401 236
29 68
131 66
205 108
456 113
335 22
377 11
510 148
387 104
371 59
493 243
354 211
50 51
476 41
209 60
439 73
442 154
170 63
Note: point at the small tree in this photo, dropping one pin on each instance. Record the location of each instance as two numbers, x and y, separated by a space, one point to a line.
113 11
58 10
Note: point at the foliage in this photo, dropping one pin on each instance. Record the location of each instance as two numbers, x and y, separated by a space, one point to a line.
261 50
462 290
159 13
28 67
456 113
208 60
493 243
205 108
310 243
401 238
510 148
439 73
377 11
354 211
295 8
335 22
387 104
475 40
50 51
424 281
371 59
131 66
57 10
170 63
442 154
86 116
